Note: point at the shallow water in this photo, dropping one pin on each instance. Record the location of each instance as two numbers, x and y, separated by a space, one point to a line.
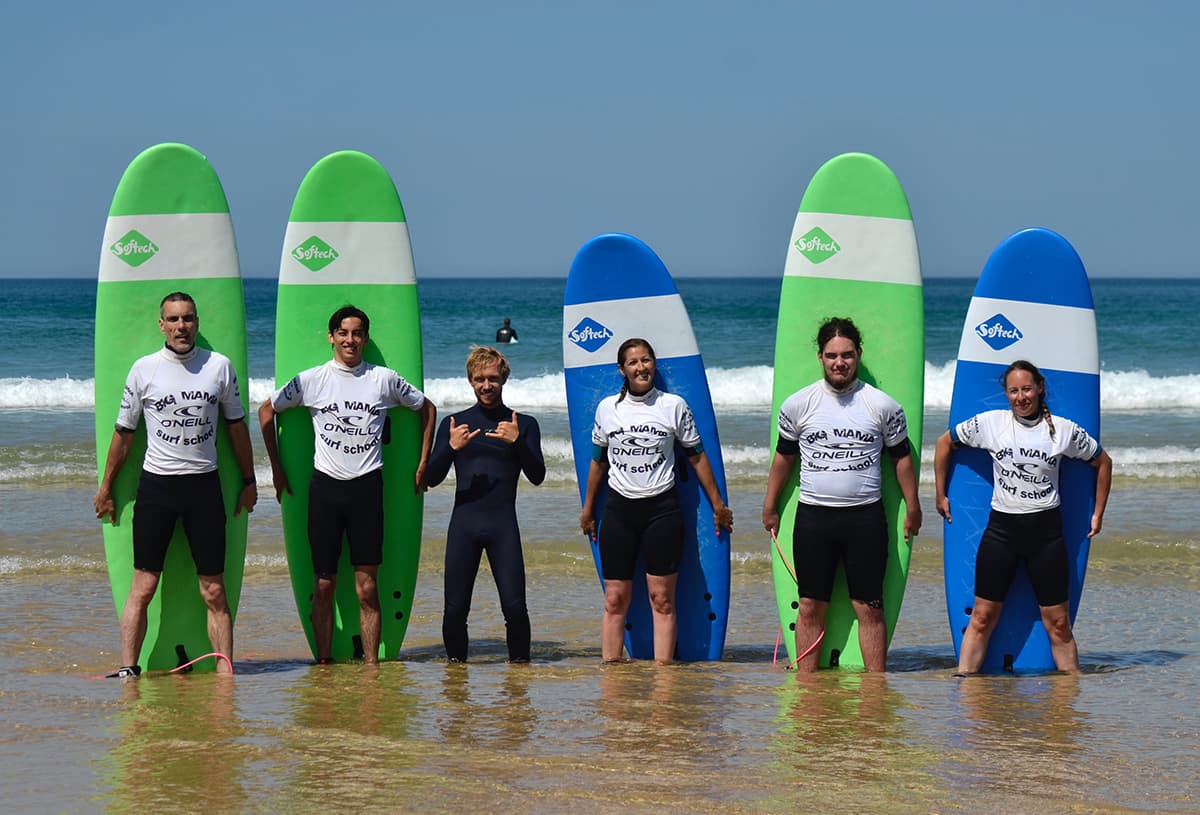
566 735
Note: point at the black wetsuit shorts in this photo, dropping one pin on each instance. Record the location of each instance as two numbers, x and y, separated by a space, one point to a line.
650 526
856 537
353 508
164 499
1035 539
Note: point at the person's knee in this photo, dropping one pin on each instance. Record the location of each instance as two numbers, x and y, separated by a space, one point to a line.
983 618
616 601
662 601
868 612
811 611
367 588
1058 624
142 590
213 592
514 612
324 589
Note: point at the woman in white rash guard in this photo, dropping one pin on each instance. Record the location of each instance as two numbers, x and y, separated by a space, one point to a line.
634 440
1025 526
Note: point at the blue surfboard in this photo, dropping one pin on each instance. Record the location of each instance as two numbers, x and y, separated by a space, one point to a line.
1033 302
618 288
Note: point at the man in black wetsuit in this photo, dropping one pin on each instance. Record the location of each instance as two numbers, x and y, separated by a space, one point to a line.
506 333
489 446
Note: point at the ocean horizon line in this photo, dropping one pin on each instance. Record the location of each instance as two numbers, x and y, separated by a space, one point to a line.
540 276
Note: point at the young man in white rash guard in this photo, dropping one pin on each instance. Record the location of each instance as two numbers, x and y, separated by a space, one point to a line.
839 428
178 390
348 399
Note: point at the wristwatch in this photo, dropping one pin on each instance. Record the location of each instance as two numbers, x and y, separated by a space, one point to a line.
249 481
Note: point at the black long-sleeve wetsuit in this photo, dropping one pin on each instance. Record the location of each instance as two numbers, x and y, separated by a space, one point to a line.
485 519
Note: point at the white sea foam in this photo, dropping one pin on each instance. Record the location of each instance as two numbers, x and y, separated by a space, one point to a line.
741 462
747 387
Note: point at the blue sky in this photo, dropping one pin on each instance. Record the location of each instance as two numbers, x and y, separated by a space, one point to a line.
516 131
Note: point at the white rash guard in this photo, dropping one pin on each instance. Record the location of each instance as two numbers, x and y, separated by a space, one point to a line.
348 407
179 396
1025 458
841 437
640 433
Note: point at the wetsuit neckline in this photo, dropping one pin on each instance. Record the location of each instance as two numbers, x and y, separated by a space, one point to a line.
846 391
642 397
342 369
495 414
1032 422
187 356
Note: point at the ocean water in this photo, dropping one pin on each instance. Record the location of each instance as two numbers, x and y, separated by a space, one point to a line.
563 734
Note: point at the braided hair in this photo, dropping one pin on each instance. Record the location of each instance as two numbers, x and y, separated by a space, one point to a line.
1031 369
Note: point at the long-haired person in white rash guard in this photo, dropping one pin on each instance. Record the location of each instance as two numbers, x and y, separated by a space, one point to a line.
634 440
179 475
839 428
346 493
1027 445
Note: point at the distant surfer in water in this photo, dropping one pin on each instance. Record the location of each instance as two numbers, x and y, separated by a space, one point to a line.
348 400
1027 445
506 333
179 391
839 428
633 446
489 446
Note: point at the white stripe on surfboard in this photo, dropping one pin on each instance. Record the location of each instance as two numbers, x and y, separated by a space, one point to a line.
1059 338
661 320
184 246
355 251
853 247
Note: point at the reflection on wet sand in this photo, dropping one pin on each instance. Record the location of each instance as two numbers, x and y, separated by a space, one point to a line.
846 739
479 710
1019 735
181 744
347 721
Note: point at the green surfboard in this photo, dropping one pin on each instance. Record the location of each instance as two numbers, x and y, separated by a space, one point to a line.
168 230
853 253
347 243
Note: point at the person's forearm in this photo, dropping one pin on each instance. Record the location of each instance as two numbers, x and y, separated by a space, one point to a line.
708 482
118 452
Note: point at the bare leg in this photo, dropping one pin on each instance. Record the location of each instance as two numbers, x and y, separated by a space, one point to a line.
810 622
662 605
220 621
1063 648
984 616
872 635
322 616
369 616
617 596
133 616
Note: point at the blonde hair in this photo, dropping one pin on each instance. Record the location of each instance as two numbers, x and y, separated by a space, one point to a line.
482 356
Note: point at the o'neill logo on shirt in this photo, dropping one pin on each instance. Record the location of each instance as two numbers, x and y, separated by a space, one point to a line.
817 245
315 254
998 332
134 248
590 335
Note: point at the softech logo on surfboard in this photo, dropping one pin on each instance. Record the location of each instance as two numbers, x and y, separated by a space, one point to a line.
590 335
134 248
315 254
817 245
998 332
